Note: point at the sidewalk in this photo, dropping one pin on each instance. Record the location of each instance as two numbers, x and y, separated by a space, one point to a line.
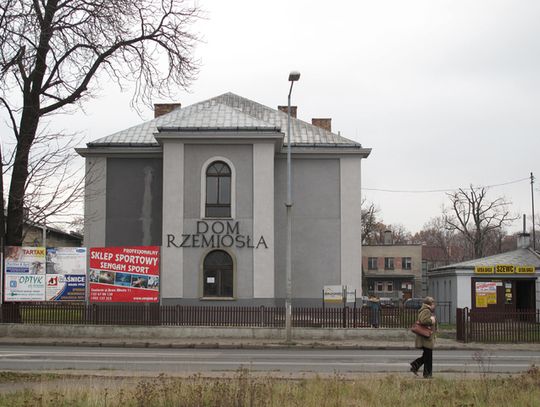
243 343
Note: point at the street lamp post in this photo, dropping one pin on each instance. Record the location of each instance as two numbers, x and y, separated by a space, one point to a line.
293 77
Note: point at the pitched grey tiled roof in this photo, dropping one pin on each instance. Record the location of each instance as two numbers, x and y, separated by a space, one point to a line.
227 111
523 257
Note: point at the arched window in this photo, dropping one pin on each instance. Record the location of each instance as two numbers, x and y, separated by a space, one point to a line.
218 190
218 275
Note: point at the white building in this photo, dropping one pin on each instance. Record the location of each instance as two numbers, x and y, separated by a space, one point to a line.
504 282
207 183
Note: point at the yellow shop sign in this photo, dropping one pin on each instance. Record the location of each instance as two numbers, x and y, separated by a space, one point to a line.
504 269
483 270
525 269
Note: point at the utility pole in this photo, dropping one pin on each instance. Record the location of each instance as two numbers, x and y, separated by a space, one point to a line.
532 201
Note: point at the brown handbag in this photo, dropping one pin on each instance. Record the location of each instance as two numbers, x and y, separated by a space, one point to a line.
421 330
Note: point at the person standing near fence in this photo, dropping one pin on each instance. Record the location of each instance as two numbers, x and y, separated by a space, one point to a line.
427 318
375 308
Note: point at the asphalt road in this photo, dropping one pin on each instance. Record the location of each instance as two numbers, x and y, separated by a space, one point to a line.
141 360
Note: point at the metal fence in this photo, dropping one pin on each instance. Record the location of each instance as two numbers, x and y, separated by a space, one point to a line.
213 316
497 327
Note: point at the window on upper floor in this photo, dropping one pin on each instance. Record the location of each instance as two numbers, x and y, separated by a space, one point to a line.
406 263
389 263
218 190
372 263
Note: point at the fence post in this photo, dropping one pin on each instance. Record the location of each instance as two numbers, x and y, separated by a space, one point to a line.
261 315
467 325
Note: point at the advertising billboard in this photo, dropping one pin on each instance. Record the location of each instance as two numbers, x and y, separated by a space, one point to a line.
25 260
486 293
24 287
24 278
124 274
333 293
66 274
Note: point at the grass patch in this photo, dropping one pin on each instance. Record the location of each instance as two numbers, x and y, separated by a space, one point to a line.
245 390
51 315
16 377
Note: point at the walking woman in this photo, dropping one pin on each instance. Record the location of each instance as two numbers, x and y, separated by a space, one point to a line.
426 317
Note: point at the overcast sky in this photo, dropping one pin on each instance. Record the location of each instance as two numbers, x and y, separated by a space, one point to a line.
445 92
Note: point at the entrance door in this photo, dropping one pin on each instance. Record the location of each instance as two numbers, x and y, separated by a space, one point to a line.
525 295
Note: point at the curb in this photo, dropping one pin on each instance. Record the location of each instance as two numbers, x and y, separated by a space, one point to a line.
151 345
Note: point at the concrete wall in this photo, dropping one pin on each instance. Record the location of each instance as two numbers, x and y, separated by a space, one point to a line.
138 334
144 200
134 202
95 202
316 229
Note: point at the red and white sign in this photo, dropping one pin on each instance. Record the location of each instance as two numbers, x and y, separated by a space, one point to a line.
124 274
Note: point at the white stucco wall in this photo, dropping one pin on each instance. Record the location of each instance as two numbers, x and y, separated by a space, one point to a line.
173 219
351 239
463 292
263 219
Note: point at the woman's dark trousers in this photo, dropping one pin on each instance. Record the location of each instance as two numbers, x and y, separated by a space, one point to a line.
427 360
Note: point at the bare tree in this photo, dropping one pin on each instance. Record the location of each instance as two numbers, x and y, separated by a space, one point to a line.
53 52
369 220
400 234
77 225
436 234
476 217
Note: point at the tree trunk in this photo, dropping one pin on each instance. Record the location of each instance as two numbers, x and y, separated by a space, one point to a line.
2 213
15 218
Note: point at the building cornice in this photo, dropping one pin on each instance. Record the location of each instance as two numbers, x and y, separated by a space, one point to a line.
113 150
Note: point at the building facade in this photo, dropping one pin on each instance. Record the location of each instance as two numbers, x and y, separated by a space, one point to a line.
393 270
208 184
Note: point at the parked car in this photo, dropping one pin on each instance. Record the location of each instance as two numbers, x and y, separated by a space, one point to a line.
413 303
386 302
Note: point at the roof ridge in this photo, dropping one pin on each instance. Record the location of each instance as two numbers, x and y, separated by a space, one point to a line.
279 112
236 110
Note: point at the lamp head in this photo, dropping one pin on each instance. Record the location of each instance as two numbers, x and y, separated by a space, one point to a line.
294 76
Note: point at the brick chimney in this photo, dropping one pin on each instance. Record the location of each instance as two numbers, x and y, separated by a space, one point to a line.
163 108
523 241
388 238
284 110
322 123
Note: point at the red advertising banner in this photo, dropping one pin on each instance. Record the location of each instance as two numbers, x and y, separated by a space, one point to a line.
124 274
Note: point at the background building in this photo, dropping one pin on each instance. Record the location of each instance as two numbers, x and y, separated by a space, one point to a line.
33 236
393 271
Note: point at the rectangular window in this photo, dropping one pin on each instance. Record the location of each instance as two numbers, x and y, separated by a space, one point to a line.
384 286
389 263
406 263
372 263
